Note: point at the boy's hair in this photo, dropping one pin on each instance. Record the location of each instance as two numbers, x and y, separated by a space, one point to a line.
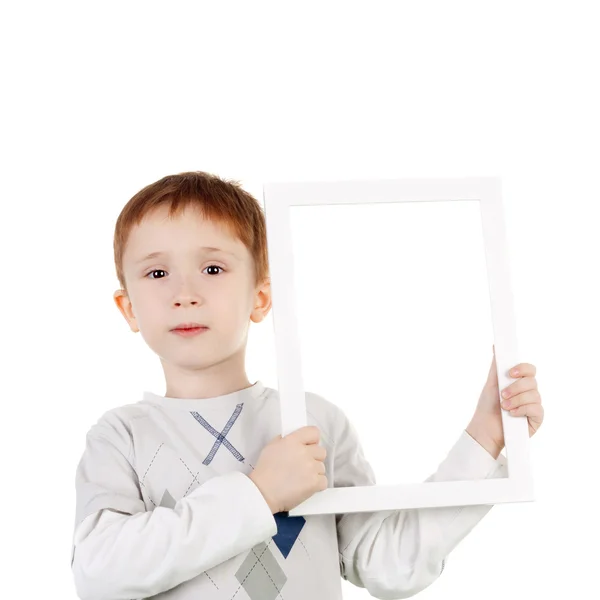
219 200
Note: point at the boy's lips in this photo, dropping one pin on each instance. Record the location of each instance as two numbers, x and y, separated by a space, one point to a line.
185 326
190 331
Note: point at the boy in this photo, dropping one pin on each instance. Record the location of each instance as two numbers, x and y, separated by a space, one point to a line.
186 495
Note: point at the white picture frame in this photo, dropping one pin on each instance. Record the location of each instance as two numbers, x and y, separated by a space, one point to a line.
278 198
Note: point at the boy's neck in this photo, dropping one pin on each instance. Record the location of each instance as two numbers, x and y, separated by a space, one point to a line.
207 389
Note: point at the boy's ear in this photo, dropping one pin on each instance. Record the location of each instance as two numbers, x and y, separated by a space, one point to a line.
262 304
126 309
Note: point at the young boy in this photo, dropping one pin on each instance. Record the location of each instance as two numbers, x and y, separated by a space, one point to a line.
185 496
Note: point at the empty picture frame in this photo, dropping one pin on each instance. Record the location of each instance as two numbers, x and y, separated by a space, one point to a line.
278 198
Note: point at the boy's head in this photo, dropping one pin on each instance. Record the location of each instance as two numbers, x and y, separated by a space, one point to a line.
179 216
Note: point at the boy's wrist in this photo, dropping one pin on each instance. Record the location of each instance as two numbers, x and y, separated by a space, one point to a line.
483 440
266 497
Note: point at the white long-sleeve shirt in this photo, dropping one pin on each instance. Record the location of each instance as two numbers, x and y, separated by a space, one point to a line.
165 508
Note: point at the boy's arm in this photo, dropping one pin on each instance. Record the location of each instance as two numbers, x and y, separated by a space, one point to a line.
120 550
398 553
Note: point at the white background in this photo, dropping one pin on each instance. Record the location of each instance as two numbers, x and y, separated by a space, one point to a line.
392 302
101 99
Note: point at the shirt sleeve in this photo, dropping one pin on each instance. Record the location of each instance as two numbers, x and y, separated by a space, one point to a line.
398 553
120 550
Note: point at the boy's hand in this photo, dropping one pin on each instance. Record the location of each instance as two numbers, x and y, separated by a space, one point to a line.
291 469
524 400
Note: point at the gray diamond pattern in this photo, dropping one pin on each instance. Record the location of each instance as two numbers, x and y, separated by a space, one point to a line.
260 574
167 500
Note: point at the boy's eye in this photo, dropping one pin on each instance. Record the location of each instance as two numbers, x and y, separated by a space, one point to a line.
163 271
215 267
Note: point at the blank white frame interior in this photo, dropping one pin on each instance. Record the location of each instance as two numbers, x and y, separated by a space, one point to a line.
278 198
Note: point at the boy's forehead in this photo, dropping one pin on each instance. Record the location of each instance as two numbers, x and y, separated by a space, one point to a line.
159 233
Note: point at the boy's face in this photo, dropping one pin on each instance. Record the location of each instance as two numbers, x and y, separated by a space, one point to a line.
185 285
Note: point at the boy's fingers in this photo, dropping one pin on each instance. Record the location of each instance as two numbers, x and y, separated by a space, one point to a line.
321 468
525 369
309 434
319 453
529 397
519 387
532 411
529 407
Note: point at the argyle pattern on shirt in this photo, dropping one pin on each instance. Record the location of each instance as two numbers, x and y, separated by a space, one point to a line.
221 437
260 574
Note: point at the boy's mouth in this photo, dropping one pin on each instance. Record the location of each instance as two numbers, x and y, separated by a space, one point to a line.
189 331
188 326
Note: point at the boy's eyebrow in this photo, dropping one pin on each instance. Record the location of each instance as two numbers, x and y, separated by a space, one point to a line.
209 249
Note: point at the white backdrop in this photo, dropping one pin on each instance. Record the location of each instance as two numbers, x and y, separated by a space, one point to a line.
392 303
100 100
